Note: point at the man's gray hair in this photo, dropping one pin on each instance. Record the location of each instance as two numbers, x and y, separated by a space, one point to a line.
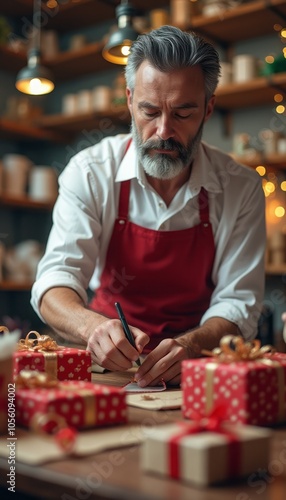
168 48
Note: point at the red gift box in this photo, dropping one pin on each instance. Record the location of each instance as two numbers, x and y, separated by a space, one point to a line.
44 355
80 404
252 392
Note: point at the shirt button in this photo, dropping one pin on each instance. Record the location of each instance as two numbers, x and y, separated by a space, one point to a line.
161 204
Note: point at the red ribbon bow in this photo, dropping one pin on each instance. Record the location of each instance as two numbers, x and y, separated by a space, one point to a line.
209 423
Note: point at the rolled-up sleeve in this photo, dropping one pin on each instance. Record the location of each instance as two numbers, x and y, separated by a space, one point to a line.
72 247
238 272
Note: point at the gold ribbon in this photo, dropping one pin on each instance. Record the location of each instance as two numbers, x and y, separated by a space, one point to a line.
42 343
31 379
89 403
210 370
45 345
233 348
4 329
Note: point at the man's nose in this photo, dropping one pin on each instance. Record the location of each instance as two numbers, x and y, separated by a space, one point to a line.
165 128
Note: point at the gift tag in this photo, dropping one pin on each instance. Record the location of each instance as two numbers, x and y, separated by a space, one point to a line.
167 400
134 387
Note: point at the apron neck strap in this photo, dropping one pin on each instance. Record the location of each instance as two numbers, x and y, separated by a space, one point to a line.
124 193
124 200
204 206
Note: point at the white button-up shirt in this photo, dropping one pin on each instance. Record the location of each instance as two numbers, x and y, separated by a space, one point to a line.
86 209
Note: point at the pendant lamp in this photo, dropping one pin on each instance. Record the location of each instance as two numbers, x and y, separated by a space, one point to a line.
118 46
35 79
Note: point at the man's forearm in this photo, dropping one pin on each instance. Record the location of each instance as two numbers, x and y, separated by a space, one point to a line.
64 311
207 336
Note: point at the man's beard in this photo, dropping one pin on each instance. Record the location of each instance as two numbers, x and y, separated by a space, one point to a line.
164 166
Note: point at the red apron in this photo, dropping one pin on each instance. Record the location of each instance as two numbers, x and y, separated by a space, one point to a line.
162 279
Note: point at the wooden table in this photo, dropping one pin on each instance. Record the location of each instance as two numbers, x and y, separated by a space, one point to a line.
117 475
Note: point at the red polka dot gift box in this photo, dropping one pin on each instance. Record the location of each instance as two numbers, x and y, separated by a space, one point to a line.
82 405
248 381
43 354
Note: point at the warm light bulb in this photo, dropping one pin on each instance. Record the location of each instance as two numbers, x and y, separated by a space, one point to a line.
52 4
269 59
35 86
278 98
269 188
279 211
283 33
125 50
261 170
277 27
283 185
280 109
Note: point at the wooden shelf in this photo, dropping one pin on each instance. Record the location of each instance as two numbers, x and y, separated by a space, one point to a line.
73 16
249 20
255 92
16 7
76 123
275 269
24 202
17 130
277 161
15 286
65 65
10 60
75 63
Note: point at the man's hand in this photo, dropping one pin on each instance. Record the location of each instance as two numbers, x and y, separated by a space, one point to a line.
66 313
164 362
110 348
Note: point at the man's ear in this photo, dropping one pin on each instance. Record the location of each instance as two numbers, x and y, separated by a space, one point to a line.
210 108
129 99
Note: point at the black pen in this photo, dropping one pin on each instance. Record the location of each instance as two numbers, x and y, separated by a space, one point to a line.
126 329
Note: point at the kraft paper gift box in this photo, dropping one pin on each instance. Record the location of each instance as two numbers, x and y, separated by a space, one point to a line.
252 391
80 404
59 362
206 457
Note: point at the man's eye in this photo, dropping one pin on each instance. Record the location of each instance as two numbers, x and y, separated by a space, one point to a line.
183 116
150 115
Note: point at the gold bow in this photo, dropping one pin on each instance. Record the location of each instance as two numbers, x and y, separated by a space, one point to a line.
4 329
32 379
42 343
234 348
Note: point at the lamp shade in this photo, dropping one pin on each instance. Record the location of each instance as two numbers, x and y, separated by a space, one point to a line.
118 46
34 79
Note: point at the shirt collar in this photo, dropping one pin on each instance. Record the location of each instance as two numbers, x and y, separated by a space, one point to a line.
130 167
204 169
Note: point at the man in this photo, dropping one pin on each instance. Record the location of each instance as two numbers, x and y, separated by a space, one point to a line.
169 227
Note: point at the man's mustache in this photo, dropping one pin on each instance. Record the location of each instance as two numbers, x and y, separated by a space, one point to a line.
168 145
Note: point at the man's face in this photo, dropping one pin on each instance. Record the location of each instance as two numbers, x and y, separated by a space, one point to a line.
168 113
